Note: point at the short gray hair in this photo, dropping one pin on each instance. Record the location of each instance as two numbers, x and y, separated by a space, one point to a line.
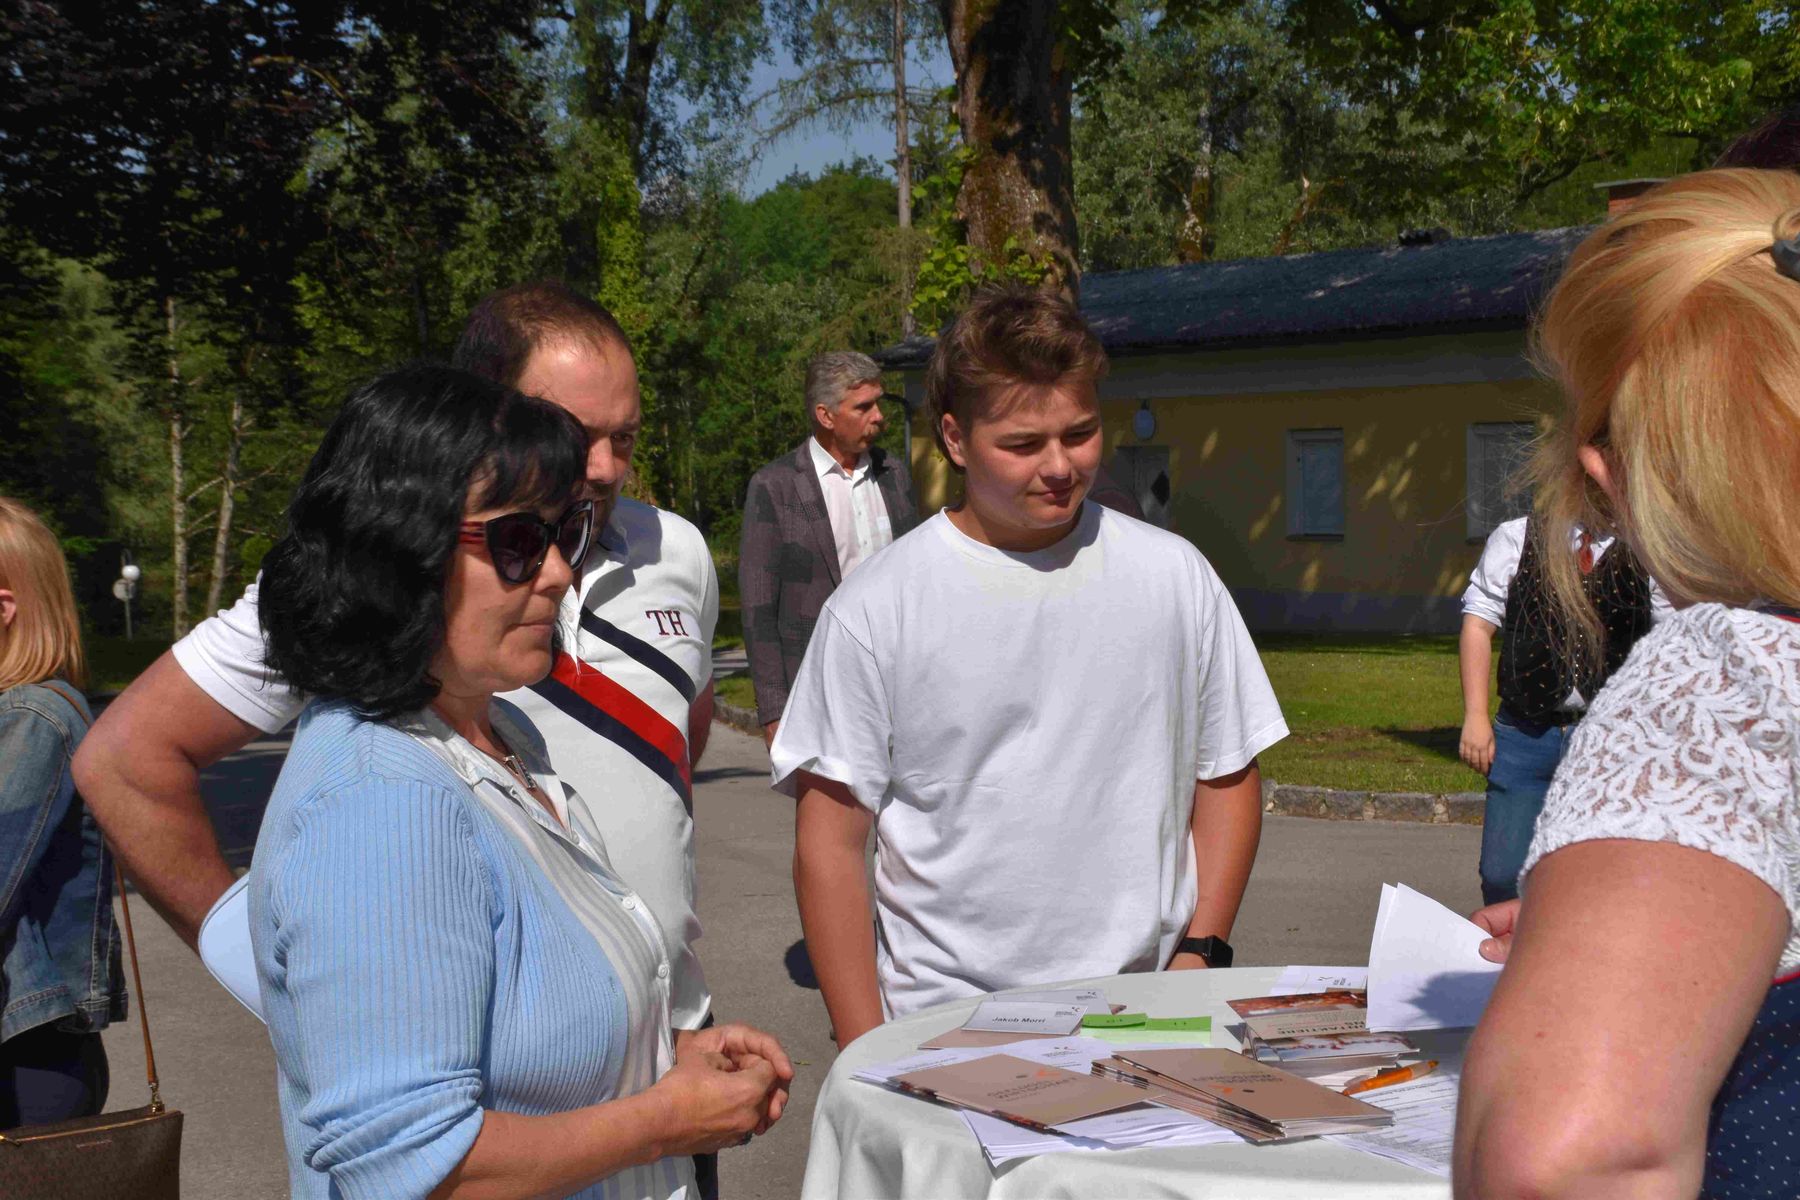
830 375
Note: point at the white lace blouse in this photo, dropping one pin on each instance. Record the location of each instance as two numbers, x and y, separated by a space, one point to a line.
1693 741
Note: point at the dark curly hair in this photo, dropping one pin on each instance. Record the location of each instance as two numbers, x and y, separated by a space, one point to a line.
352 598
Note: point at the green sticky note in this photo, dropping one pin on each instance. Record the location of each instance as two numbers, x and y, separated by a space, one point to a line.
1179 1024
1112 1020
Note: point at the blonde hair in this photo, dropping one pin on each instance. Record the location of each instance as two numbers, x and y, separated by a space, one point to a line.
1676 341
44 639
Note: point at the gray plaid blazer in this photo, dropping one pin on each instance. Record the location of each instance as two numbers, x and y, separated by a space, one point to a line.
787 563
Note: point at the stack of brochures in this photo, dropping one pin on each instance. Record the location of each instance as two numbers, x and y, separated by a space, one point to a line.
1045 1096
1319 1035
1259 1102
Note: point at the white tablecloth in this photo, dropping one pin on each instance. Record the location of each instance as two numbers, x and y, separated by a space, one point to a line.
869 1141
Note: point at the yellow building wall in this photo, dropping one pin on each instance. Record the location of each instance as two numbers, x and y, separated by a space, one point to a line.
1405 555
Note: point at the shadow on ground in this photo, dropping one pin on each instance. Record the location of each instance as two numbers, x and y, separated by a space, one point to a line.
719 773
1441 742
800 968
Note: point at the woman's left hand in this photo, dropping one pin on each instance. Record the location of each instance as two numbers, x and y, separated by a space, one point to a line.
740 1044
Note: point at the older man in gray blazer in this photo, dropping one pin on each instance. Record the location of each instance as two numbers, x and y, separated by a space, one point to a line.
811 517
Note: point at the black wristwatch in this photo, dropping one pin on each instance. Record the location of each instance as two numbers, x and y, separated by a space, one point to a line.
1215 950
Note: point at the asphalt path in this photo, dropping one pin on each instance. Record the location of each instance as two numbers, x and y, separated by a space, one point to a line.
1311 900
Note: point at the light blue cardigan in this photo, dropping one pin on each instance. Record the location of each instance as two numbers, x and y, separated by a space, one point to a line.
416 966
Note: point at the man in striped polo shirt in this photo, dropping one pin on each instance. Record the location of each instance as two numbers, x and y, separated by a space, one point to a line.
624 714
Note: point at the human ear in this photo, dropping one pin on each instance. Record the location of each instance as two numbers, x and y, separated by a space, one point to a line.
8 606
1593 461
953 440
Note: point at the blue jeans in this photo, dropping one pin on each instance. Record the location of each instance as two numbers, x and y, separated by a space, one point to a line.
1525 758
47 1075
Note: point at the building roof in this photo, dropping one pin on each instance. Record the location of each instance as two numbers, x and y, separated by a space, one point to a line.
1460 283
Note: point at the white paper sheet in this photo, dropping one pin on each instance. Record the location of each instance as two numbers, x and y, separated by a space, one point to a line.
1073 1054
1425 965
924 1060
1002 1141
1297 980
1424 1125
1152 1125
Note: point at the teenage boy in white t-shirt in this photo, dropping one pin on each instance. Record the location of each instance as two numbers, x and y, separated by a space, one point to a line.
1048 713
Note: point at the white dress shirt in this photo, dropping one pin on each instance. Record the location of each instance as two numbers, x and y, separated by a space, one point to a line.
1492 579
853 501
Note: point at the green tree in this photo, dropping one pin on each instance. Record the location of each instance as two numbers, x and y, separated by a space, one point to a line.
742 293
1512 96
853 57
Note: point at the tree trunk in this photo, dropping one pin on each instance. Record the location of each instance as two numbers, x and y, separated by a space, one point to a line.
228 488
177 478
595 100
1013 95
903 170
1199 232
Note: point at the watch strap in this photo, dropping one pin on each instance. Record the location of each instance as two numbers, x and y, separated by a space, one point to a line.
1215 950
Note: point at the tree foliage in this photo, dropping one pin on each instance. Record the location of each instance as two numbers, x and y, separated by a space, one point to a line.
1524 92
217 215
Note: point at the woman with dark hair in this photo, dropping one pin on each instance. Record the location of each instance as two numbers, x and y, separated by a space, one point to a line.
463 996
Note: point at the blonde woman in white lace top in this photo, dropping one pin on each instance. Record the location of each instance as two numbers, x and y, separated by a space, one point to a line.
1636 1045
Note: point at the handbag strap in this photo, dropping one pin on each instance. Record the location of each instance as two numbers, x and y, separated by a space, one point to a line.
137 979
137 985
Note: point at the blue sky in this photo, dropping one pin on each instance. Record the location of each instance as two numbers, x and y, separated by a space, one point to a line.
812 150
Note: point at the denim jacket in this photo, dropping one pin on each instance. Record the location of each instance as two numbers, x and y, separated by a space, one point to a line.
56 920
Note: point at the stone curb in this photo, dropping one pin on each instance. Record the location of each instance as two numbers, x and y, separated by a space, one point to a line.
1289 800
1459 808
741 719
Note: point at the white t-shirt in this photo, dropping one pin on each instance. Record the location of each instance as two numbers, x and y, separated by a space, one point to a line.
1028 730
859 517
1491 581
614 714
1694 741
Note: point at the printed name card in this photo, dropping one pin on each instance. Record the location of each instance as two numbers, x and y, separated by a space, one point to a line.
1026 1016
1091 999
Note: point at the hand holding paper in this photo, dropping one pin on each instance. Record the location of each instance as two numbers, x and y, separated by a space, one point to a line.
1425 965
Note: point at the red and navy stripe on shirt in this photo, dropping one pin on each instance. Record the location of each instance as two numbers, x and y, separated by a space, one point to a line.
585 693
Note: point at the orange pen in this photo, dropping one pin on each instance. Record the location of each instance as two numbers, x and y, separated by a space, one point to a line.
1391 1076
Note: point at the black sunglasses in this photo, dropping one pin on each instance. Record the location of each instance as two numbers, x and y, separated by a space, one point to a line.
519 542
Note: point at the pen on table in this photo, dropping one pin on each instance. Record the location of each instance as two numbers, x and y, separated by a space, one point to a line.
1391 1076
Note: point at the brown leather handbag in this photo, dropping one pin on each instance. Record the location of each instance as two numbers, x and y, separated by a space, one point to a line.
134 1154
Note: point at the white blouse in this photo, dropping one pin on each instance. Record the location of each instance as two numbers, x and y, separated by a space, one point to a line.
1693 742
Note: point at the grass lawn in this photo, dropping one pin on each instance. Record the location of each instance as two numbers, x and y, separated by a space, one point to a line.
736 689
1367 713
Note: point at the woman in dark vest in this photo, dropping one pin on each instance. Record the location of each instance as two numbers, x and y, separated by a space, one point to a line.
1546 674
1644 1038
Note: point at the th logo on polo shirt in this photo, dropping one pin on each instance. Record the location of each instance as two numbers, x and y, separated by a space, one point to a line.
585 691
669 622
